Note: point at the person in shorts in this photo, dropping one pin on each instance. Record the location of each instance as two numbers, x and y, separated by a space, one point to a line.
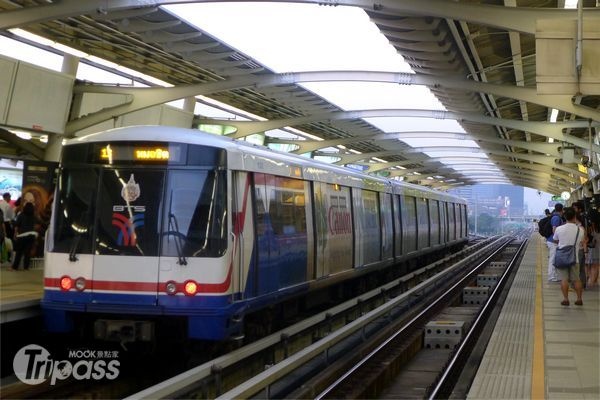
565 235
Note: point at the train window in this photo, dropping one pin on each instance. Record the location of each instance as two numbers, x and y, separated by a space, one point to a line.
128 212
368 234
74 215
280 206
423 221
194 219
398 229
434 221
287 207
333 228
409 219
387 244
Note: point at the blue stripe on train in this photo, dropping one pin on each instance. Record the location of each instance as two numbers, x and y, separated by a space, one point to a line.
209 317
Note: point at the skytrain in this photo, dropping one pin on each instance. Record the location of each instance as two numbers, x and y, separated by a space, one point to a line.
154 224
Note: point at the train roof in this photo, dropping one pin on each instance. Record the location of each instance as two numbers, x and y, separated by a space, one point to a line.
310 168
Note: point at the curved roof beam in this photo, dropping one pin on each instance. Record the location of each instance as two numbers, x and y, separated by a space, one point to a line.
520 19
550 149
528 168
513 173
530 183
147 97
540 159
548 129
493 159
26 145
305 146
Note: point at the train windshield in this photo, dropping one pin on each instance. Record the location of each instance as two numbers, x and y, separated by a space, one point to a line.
170 211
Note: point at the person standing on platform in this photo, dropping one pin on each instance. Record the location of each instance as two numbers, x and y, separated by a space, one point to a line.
594 257
9 214
25 235
581 221
565 235
555 222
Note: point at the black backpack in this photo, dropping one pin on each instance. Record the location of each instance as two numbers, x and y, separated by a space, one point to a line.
545 226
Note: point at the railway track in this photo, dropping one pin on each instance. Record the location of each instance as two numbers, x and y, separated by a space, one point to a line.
279 364
229 373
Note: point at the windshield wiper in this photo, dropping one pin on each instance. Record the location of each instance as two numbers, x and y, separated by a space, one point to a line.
74 247
173 224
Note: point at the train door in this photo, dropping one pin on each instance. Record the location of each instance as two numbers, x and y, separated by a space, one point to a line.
434 222
282 244
125 266
387 231
423 223
333 229
242 235
443 223
398 231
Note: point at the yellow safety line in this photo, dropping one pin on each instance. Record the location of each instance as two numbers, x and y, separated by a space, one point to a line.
537 376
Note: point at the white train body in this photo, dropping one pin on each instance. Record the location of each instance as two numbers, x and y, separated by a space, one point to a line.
157 222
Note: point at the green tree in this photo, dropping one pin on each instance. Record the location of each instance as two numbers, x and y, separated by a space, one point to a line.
488 224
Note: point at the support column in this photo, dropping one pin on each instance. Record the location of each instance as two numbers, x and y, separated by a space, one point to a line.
189 104
70 64
53 147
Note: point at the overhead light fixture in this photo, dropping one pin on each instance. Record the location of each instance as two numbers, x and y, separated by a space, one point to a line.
553 115
570 3
22 134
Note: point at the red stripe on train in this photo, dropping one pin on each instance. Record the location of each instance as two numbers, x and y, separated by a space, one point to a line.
143 286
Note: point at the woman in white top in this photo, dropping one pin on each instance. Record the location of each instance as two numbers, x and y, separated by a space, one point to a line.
566 235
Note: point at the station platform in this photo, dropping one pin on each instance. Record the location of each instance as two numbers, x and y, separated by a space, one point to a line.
540 349
20 292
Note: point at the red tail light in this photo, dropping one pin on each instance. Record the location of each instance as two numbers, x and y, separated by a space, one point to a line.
66 283
190 288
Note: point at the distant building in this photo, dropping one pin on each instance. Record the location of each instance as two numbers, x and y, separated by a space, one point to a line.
494 200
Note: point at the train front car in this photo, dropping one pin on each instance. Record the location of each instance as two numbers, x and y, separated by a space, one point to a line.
140 231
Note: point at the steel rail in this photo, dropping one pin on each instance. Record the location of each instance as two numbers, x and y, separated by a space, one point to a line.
264 380
185 381
418 318
446 382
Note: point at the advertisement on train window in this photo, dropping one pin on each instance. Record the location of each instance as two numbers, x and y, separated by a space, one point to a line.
333 220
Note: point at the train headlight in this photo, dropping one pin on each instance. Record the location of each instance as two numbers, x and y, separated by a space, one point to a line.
66 283
80 284
171 287
190 288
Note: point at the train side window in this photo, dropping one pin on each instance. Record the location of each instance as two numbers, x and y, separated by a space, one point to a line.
287 207
409 218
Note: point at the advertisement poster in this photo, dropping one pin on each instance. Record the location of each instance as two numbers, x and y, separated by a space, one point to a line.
11 181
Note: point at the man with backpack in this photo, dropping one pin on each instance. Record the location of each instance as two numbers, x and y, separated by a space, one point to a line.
543 221
556 220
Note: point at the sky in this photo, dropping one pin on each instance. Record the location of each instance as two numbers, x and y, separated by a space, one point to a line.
536 201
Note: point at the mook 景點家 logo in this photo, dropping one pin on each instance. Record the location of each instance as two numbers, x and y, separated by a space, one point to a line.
33 365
